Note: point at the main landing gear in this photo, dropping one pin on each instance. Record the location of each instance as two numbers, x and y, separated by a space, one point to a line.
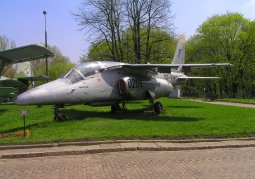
117 107
156 107
59 117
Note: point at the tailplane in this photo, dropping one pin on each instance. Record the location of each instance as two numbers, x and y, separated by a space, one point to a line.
179 56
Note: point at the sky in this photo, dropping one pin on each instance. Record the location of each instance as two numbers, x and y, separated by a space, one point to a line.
24 21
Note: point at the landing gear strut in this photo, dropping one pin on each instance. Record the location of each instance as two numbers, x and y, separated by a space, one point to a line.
117 107
59 117
156 107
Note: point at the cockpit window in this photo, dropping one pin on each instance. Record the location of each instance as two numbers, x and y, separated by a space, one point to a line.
89 68
74 76
64 74
110 64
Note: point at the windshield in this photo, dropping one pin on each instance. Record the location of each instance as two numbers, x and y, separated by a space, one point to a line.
89 68
74 76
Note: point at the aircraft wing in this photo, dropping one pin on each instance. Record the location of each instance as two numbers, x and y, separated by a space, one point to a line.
6 90
11 83
35 78
25 53
197 77
166 68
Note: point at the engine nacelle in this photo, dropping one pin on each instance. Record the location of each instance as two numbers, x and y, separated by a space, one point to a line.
135 87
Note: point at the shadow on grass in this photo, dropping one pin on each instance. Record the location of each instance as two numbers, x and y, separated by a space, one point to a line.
29 126
2 111
137 114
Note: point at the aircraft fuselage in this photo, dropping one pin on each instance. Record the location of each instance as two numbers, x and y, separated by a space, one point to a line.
103 86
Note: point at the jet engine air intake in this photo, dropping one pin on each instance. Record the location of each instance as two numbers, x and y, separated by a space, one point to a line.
129 85
122 86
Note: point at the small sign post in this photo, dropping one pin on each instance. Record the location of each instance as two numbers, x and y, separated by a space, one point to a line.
24 113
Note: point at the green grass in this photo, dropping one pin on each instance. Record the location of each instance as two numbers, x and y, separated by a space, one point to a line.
182 119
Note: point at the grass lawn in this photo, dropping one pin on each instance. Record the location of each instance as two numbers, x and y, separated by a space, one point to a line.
182 119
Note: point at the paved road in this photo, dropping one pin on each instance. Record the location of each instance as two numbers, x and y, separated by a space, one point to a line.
233 104
208 163
226 103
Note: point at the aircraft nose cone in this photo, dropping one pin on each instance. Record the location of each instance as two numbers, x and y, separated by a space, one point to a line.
34 97
22 99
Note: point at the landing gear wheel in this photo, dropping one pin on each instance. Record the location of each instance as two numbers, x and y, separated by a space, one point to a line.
158 107
114 108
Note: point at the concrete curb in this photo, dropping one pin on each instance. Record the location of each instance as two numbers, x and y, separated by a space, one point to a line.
86 143
78 148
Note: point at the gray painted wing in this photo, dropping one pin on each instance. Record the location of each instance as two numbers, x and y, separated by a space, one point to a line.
166 68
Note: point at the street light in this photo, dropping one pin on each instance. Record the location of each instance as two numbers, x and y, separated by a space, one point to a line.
44 12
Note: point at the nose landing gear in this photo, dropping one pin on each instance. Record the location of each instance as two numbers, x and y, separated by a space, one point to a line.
59 117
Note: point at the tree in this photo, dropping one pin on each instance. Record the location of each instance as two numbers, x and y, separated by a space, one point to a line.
103 20
225 38
5 44
161 49
56 65
149 15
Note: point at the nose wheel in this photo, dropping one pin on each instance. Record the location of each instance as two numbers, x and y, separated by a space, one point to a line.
59 117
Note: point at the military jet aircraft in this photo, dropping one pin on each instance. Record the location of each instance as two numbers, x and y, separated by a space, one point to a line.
18 55
103 83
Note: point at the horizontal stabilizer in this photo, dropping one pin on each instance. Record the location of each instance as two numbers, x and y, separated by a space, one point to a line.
6 90
11 83
35 78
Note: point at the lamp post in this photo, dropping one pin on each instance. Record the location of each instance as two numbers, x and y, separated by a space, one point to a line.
44 12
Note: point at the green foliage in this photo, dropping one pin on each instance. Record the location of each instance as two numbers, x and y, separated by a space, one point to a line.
56 65
133 36
5 44
161 48
224 38
181 119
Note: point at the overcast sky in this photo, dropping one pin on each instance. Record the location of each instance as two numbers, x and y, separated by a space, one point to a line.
23 21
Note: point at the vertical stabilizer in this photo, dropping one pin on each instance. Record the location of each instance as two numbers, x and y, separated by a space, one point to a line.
23 70
179 56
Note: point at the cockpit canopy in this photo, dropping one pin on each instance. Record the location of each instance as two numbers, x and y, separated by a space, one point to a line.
81 71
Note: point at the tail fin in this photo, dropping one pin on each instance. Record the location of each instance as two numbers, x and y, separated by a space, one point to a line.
23 70
179 56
